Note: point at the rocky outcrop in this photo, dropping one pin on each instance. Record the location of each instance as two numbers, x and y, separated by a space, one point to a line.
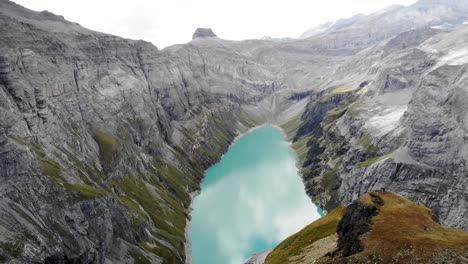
380 227
203 33
356 222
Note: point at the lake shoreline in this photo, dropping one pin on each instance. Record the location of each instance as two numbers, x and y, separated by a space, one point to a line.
188 240
297 165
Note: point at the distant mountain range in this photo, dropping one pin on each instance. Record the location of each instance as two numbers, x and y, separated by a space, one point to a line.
368 29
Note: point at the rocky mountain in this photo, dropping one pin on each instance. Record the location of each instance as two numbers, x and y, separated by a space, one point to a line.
203 33
362 30
314 31
104 139
396 124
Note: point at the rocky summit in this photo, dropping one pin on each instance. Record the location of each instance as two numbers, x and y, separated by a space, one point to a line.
103 139
203 33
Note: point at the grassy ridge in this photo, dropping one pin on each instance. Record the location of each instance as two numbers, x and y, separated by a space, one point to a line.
295 244
403 231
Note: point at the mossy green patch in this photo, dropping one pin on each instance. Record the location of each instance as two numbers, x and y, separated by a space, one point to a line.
83 167
168 216
108 146
337 112
168 255
138 257
38 150
128 201
337 90
14 248
327 127
74 128
189 135
85 190
373 160
301 147
16 139
175 180
51 167
355 109
369 162
366 142
291 126
246 119
330 179
342 89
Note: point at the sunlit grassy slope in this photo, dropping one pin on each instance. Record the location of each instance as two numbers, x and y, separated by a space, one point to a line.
402 231
405 231
294 245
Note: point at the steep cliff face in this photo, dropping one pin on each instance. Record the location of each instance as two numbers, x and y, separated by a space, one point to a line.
103 139
203 33
401 128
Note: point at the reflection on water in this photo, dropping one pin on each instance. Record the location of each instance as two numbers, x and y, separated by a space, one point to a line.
250 201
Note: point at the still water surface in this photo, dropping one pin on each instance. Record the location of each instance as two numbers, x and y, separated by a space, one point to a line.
250 201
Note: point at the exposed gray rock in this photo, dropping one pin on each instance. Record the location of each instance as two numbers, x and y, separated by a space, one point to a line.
405 131
387 23
258 258
203 33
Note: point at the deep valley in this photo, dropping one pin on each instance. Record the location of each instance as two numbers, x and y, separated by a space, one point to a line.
103 140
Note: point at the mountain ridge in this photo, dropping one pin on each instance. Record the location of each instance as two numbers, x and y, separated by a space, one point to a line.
389 22
365 231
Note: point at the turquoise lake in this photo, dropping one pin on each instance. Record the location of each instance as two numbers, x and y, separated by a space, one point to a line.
251 200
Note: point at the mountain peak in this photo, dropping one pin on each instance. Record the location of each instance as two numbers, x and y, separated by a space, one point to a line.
203 33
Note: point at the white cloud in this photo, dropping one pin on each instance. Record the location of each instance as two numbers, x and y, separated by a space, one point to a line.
170 22
263 201
294 220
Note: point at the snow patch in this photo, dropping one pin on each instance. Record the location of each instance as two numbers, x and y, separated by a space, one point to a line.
387 122
454 57
443 26
428 49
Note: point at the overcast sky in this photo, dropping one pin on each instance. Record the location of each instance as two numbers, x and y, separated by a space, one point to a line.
168 22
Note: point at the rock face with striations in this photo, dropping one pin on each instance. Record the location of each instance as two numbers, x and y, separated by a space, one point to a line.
397 124
203 33
102 139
